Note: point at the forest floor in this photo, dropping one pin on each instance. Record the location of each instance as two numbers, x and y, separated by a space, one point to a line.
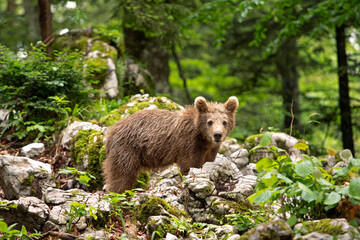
60 158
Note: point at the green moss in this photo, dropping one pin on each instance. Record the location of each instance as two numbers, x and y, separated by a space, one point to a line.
153 207
124 110
90 143
96 70
68 44
322 226
269 234
143 180
79 44
250 141
162 229
235 208
105 49
28 181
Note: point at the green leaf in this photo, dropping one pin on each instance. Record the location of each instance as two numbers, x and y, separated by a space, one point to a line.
342 172
332 198
292 220
354 187
324 182
264 164
264 197
301 146
285 179
306 193
304 168
266 139
344 190
355 161
3 226
269 179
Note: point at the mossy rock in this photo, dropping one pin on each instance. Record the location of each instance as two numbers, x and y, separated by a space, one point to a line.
220 207
321 226
143 180
96 71
156 207
88 146
269 233
137 103
251 141
106 50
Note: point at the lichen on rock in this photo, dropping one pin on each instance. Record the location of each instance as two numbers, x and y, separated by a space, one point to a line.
88 152
137 103
157 207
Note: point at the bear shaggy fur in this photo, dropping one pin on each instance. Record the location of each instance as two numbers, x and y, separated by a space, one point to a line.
152 139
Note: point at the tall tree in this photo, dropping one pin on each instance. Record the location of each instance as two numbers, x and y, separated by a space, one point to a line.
344 98
31 15
287 66
45 20
316 18
150 27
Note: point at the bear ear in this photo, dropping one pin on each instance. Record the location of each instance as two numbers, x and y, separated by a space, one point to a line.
200 104
232 104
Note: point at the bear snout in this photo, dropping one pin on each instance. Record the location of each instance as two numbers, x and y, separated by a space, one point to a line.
218 136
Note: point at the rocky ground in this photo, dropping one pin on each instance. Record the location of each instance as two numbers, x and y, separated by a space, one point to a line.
199 205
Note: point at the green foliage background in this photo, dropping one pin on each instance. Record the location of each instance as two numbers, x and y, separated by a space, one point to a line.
226 48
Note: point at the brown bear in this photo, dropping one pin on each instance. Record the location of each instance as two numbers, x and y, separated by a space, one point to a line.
152 139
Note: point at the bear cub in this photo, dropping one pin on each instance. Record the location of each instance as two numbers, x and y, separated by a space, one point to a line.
151 139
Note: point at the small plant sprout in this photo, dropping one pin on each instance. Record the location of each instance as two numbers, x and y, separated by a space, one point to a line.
82 177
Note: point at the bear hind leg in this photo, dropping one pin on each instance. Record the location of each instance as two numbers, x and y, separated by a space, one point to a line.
122 183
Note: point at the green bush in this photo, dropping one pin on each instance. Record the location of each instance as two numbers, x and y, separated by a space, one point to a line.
304 189
40 91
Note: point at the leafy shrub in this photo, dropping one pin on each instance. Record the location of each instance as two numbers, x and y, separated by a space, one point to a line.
40 91
304 189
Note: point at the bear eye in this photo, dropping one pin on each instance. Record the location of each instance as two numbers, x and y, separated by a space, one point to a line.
224 123
210 123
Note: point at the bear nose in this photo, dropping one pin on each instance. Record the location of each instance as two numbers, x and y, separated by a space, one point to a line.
217 136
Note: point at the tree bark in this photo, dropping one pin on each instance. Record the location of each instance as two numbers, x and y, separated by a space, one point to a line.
150 52
45 20
10 8
344 98
286 63
31 15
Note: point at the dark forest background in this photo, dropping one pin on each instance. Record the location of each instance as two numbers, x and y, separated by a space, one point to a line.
294 65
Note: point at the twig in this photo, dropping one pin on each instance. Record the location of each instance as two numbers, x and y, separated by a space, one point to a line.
61 235
181 72
283 206
292 116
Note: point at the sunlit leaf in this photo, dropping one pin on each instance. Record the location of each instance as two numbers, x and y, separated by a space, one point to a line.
292 220
354 187
301 146
264 164
306 194
355 161
332 198
304 168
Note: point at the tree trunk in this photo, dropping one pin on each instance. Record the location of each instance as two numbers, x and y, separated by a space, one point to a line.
152 54
31 15
45 20
344 98
286 63
10 8
157 59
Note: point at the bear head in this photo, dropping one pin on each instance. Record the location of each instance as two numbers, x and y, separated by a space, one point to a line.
215 120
